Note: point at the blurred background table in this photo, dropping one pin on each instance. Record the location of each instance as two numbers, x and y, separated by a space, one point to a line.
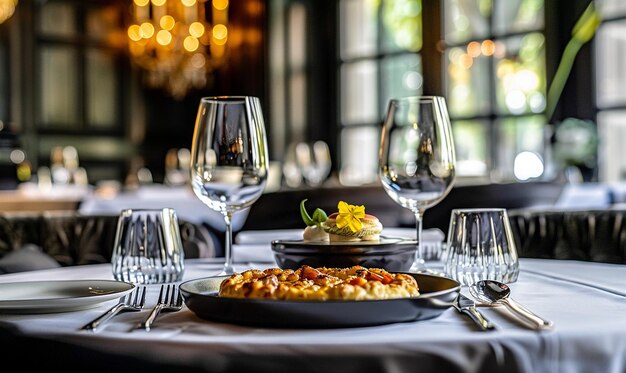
19 201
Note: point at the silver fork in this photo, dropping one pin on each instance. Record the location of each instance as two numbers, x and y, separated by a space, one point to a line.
132 302
170 299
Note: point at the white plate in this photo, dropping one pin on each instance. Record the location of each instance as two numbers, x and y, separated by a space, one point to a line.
59 296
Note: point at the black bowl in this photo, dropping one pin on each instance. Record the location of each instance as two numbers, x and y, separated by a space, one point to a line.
391 254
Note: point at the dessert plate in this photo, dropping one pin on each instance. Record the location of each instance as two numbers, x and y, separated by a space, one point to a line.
437 294
391 254
59 296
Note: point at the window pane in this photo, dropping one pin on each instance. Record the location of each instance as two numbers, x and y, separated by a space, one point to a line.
610 62
402 76
359 93
297 106
468 83
612 132
358 28
57 19
512 16
521 74
297 36
59 93
471 141
466 19
611 8
402 25
104 23
520 147
359 155
101 89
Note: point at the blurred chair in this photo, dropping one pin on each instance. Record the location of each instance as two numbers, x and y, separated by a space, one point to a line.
74 239
592 235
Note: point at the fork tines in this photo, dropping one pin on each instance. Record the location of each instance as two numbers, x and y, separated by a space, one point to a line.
170 299
134 301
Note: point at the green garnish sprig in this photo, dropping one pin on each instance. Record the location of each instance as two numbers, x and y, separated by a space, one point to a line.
319 216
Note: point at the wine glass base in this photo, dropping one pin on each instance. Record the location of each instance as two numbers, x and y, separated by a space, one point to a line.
428 271
420 267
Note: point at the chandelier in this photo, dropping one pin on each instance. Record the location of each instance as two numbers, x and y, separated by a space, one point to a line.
178 43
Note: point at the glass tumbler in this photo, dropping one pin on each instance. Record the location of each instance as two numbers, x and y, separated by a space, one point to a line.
480 246
148 248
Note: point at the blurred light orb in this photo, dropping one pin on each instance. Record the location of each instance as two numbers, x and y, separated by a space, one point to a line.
412 80
17 156
516 101
527 165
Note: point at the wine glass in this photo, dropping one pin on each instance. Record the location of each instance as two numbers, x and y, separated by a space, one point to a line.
417 160
229 158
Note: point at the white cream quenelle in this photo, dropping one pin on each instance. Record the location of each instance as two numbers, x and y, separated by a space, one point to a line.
315 233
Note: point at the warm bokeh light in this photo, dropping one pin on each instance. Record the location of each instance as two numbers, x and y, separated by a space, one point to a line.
488 47
134 33
466 61
220 32
190 43
167 22
196 29
147 30
178 43
198 60
473 49
164 37
220 4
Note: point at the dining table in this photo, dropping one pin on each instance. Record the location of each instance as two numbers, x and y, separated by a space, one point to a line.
585 300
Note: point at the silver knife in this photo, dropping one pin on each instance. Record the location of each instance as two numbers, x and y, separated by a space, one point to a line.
467 306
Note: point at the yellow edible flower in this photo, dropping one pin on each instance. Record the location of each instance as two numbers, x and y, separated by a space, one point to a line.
350 216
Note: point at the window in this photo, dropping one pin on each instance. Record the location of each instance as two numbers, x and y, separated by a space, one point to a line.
610 59
496 85
79 66
487 57
81 84
379 55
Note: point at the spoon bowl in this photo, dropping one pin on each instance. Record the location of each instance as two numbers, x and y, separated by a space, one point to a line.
494 293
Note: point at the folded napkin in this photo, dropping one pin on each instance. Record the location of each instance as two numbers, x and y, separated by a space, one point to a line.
255 245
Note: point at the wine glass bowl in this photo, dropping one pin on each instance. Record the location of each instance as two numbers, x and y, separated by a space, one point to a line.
229 158
417 159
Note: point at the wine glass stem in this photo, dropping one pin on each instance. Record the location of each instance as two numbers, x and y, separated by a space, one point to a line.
228 245
419 264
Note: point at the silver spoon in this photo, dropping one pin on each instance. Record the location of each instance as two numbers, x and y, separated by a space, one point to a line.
494 292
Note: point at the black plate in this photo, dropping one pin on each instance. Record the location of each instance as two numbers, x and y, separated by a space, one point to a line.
436 295
392 254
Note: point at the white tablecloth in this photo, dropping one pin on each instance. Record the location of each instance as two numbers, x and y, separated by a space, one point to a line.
586 301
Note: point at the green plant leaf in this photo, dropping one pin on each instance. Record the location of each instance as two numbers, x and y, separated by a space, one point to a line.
305 215
319 216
